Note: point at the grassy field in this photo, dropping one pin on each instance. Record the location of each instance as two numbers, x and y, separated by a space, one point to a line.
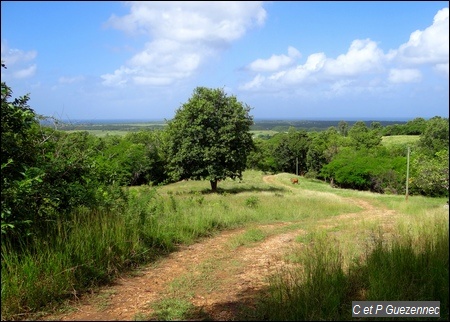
349 235
405 140
102 133
263 133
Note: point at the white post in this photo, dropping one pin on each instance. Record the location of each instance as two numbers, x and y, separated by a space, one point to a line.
407 175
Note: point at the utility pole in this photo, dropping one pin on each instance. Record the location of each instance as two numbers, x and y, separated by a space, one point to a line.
407 175
296 168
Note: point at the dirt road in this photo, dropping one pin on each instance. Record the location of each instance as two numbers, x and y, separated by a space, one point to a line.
216 278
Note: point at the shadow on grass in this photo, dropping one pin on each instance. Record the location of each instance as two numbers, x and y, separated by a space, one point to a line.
236 190
243 308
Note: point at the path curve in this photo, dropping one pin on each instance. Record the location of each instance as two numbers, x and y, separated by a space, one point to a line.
233 285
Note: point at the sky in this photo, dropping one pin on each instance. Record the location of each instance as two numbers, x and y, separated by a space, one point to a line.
304 60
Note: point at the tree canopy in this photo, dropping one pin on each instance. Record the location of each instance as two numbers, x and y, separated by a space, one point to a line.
210 137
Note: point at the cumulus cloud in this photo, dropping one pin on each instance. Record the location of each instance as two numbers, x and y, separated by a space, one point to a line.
404 75
275 62
182 35
430 45
363 56
364 67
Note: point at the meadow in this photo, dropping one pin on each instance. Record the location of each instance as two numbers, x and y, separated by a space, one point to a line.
399 140
354 246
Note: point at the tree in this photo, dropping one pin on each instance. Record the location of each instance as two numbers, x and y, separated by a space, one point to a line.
324 146
18 175
362 137
292 147
343 128
429 174
209 137
263 156
435 136
416 126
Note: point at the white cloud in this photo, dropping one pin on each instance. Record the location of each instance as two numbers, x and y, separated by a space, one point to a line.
306 72
25 73
18 60
119 78
255 83
11 56
363 68
275 62
430 45
404 75
182 35
363 56
188 21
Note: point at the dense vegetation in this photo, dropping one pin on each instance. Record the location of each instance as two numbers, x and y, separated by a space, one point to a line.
58 187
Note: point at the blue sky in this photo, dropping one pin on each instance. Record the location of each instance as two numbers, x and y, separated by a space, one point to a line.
367 60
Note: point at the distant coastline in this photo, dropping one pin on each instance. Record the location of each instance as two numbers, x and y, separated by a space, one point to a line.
256 120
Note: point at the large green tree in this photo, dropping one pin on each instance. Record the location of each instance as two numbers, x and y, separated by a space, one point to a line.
209 137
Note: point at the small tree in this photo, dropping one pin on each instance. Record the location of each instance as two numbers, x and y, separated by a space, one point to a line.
209 137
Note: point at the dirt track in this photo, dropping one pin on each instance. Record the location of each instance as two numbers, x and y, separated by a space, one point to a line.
232 276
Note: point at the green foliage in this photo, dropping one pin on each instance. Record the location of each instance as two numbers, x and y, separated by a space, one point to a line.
16 136
292 147
362 137
133 159
46 174
429 164
262 157
429 174
324 146
209 137
19 176
374 170
436 136
154 143
252 202
413 127
343 128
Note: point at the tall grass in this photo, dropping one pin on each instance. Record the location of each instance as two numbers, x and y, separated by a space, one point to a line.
88 251
95 246
412 266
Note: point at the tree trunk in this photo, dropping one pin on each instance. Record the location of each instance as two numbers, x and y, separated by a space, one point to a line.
214 186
